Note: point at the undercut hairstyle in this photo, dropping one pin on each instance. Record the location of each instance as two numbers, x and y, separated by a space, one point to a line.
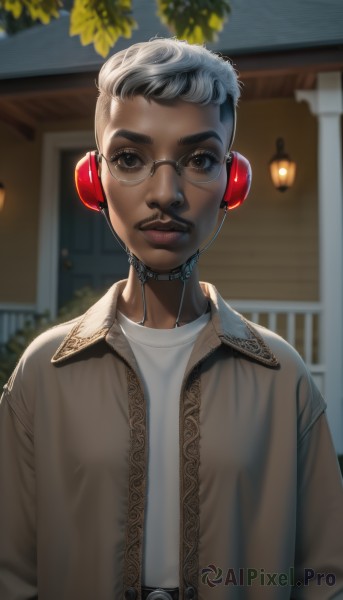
164 70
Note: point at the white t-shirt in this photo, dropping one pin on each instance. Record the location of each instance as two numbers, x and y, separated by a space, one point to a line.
162 356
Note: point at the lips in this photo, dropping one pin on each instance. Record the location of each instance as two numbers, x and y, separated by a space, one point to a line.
164 226
164 234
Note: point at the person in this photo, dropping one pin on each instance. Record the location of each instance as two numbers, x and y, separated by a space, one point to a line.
161 446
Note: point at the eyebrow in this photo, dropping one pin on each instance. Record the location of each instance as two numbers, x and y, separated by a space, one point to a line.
199 137
141 138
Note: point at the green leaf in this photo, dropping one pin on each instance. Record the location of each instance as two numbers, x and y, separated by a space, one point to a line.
38 10
101 45
13 6
102 23
197 21
43 10
87 33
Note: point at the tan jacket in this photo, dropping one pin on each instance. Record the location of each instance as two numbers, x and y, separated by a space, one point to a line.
261 496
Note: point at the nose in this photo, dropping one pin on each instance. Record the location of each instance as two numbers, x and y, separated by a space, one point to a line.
165 187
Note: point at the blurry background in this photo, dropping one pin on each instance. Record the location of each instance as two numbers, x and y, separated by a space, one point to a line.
278 258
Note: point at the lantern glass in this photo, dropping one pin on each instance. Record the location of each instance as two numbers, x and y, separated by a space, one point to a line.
283 173
2 196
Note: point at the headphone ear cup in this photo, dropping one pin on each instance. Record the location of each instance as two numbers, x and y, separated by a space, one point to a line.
88 182
238 181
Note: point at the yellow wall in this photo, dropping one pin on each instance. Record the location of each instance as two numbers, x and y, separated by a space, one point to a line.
267 248
20 173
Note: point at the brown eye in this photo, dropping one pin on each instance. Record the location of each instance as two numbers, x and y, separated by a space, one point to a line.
127 161
203 161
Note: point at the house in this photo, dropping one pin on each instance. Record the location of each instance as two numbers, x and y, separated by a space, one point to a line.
279 258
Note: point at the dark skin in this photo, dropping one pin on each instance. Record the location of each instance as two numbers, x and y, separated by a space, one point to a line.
140 212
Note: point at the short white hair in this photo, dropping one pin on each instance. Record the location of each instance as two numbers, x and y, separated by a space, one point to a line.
165 69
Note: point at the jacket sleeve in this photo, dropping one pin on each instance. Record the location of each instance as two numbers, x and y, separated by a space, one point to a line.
319 542
17 506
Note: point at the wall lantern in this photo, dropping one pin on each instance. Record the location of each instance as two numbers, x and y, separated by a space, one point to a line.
282 168
2 196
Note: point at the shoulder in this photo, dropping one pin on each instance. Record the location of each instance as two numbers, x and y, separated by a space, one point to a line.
39 352
287 355
248 338
81 331
294 379
34 371
287 378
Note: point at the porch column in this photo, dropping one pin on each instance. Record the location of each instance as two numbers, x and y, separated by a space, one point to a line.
326 103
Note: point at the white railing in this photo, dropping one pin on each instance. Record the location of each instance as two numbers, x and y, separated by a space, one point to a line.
297 322
14 317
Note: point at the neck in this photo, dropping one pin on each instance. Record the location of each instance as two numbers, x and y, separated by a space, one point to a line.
162 301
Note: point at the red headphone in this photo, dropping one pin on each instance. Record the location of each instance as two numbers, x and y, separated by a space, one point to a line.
90 190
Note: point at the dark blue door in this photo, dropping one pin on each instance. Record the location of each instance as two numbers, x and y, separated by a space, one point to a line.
89 254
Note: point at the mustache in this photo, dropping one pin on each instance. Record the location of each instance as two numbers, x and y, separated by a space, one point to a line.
159 217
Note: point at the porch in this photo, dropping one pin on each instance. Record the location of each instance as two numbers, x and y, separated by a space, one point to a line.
297 322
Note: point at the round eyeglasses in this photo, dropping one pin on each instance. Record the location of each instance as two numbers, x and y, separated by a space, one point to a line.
129 166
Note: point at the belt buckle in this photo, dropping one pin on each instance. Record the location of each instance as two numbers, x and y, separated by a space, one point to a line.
159 594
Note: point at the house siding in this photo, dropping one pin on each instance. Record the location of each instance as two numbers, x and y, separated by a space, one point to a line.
268 248
20 173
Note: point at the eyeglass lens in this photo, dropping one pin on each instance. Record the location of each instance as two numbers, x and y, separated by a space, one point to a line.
200 167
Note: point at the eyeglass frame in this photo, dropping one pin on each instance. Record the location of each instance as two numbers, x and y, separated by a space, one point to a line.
175 163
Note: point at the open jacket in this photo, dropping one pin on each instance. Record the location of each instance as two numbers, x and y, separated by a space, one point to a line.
260 489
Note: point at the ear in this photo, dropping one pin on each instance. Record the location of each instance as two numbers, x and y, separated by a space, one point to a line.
238 181
88 183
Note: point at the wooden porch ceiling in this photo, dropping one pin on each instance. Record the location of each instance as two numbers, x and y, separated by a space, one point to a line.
28 102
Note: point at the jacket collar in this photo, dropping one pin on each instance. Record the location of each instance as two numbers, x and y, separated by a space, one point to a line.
235 331
230 328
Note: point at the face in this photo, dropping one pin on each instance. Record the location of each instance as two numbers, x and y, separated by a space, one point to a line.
164 218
